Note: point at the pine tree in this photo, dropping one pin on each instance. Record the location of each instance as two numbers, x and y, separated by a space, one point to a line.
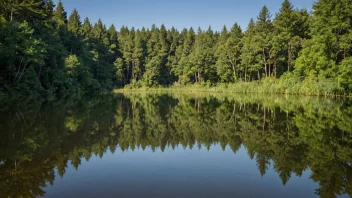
60 15
137 57
250 60
265 35
74 23
222 68
291 28
164 48
173 37
112 34
98 30
185 64
86 28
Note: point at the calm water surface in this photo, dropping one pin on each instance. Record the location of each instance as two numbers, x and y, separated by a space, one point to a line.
176 145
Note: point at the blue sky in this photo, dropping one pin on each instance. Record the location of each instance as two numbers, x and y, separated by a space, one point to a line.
177 13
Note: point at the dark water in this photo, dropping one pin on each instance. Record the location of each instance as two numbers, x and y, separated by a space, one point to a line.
173 145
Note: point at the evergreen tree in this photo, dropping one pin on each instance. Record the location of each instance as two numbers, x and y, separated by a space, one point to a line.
164 48
86 28
265 35
250 60
222 69
137 57
290 27
98 30
60 15
229 51
74 23
74 27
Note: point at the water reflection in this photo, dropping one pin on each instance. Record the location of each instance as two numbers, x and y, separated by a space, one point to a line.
286 135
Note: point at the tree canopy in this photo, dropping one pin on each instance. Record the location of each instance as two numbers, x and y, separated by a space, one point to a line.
44 50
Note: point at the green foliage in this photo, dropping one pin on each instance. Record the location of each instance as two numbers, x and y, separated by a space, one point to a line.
74 23
249 52
345 74
330 43
152 71
292 27
44 53
68 56
71 63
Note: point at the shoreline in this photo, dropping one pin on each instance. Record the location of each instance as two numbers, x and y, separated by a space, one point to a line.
217 90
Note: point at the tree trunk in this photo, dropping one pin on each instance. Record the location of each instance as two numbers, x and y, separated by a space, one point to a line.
233 113
199 77
18 70
245 74
234 71
132 70
264 118
289 56
12 10
264 59
24 68
128 72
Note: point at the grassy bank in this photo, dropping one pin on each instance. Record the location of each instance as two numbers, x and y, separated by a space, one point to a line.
308 87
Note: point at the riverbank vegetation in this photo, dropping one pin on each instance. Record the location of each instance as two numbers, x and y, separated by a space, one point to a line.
308 87
44 51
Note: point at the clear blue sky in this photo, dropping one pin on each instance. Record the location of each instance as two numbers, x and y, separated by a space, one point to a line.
177 13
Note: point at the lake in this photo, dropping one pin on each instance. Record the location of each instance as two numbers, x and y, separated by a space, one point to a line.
176 145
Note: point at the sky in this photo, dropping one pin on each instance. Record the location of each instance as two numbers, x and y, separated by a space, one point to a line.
178 13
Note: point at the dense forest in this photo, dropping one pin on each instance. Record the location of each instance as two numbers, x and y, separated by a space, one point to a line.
39 141
45 51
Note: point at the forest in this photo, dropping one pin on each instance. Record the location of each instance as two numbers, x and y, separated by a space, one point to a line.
40 141
45 51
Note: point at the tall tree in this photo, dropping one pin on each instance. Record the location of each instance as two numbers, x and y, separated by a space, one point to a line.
291 28
265 35
137 57
325 55
250 60
222 69
229 51
86 28
60 15
74 23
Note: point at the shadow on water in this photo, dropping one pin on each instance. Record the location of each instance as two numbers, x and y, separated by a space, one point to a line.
294 134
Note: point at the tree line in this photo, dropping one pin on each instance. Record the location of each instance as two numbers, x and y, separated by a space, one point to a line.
45 51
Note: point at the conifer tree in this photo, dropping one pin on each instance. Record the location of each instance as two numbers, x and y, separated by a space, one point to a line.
250 60
60 15
86 28
265 35
291 28
74 23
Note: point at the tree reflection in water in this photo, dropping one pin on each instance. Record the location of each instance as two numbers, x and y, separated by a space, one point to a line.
294 134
